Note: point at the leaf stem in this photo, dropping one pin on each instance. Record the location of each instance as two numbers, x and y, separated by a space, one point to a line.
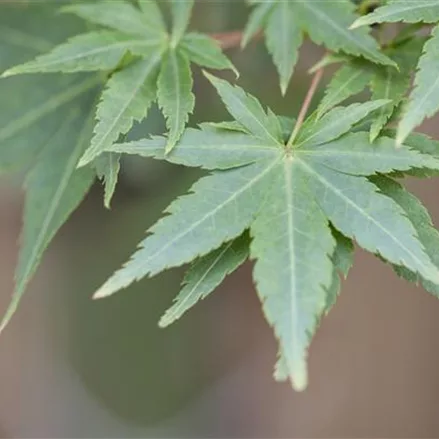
306 104
229 40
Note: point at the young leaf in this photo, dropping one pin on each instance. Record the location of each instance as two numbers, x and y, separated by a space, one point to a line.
424 99
198 223
402 10
174 94
87 52
248 111
54 188
181 14
205 275
127 98
348 81
206 148
292 244
205 52
118 15
335 123
283 39
107 169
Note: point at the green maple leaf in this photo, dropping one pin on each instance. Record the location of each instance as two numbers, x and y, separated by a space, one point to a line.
384 82
423 100
289 197
146 64
325 22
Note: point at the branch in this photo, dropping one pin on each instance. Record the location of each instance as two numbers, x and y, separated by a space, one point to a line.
306 104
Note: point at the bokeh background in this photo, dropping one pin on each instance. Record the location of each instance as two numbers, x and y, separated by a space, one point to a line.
71 367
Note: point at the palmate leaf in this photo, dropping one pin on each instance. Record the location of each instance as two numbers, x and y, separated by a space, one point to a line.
205 275
135 32
326 23
54 188
289 198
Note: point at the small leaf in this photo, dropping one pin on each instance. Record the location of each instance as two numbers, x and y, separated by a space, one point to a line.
205 52
107 169
54 188
118 15
283 39
181 14
175 95
198 223
426 11
248 111
83 53
205 148
335 123
424 99
126 99
205 275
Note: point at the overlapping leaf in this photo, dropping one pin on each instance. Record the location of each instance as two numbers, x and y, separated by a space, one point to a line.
135 49
423 101
289 198
384 82
326 23
46 139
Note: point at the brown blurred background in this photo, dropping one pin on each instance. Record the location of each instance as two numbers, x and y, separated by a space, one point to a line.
71 367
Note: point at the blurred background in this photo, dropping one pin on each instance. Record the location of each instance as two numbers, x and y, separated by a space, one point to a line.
72 367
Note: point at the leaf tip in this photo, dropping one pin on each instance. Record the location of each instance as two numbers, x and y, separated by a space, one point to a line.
299 380
357 23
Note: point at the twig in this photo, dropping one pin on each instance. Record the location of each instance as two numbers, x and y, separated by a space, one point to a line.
306 103
229 40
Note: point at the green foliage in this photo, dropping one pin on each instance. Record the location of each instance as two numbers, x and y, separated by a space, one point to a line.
423 101
325 22
287 197
291 195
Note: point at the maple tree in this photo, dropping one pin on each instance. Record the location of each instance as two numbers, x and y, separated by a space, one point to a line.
290 194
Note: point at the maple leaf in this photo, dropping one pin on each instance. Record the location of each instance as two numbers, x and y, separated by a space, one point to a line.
146 64
325 22
424 98
291 198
